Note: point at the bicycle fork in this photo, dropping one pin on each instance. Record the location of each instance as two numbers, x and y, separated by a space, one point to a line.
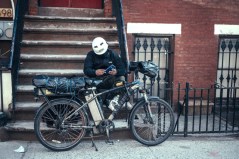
147 109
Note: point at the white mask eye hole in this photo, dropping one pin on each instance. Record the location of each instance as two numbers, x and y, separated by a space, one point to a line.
101 43
95 46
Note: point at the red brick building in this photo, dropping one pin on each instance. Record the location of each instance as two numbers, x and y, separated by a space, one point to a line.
195 41
195 49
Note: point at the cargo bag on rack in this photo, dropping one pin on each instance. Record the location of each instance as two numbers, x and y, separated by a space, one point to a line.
59 85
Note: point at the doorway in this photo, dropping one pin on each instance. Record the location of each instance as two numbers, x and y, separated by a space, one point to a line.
96 4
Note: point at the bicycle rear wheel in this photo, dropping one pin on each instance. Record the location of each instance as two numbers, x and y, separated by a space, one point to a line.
155 129
55 134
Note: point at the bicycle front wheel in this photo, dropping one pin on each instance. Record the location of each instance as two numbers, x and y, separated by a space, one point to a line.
152 123
55 130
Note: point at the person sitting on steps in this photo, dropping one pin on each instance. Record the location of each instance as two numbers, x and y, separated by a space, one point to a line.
98 60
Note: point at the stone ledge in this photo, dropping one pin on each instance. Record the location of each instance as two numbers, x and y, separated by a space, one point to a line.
195 106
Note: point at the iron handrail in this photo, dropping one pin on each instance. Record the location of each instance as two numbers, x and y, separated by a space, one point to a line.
118 12
21 9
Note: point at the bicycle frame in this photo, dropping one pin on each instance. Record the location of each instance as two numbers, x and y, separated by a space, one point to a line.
92 101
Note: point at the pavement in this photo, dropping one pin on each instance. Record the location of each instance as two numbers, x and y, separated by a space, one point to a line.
176 147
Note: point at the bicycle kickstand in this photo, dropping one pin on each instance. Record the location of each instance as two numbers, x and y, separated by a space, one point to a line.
92 140
108 140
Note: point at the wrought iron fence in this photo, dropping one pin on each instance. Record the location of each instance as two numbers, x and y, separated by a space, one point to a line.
200 110
1 92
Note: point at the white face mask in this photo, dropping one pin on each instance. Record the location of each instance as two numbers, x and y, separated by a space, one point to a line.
99 46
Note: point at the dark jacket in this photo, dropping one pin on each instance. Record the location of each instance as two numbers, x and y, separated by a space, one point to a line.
94 62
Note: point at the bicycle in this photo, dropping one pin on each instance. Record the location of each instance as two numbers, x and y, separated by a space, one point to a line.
64 118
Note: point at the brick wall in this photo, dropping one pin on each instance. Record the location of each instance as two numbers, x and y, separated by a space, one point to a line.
33 7
108 8
195 54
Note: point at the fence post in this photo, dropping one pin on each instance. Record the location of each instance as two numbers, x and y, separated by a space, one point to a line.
186 110
1 96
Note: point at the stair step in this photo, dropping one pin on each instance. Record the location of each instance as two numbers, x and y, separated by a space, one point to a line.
28 125
61 50
69 34
83 12
24 130
52 57
25 88
51 72
55 43
72 30
56 23
63 43
26 110
71 19
27 105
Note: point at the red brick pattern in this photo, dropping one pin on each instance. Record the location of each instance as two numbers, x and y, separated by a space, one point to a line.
195 50
33 7
195 53
108 8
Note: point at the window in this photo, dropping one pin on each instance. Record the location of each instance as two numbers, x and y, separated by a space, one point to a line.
159 50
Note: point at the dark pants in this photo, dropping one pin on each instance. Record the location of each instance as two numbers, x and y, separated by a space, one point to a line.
108 82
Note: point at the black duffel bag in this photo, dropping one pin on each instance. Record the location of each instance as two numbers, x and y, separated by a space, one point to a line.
148 68
59 84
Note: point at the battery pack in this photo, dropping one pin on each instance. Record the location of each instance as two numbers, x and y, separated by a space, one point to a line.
95 109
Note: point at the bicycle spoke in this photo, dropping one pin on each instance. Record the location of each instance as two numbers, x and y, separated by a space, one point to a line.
55 133
155 128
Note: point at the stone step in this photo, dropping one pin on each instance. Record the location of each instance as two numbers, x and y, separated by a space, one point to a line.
74 19
26 97
25 88
69 34
70 12
26 110
58 23
41 61
24 130
71 30
51 72
60 50
55 43
51 57
54 64
62 43
56 36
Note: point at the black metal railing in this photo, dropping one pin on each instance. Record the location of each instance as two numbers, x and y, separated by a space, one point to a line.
118 12
21 9
1 92
204 110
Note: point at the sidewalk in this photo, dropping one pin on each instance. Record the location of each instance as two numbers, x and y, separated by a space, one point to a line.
176 147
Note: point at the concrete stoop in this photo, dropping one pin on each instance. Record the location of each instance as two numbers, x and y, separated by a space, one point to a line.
24 130
54 43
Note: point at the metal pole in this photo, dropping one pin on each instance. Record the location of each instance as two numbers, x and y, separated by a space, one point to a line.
1 92
186 110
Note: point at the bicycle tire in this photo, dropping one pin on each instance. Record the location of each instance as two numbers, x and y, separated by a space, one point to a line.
49 129
159 130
